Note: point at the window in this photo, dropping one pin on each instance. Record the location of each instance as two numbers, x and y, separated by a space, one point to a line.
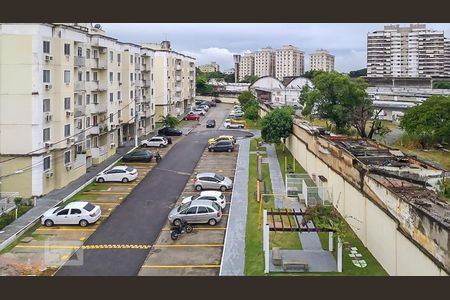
95 53
67 130
46 105
131 59
46 78
118 95
118 59
88 122
111 56
118 77
47 163
131 112
64 212
75 211
88 144
66 76
131 94
46 47
95 143
46 134
95 98
111 76
88 99
80 76
80 52
67 103
202 210
119 113
111 117
111 97
111 137
192 210
131 76
80 99
66 49
88 53
95 76
79 124
67 157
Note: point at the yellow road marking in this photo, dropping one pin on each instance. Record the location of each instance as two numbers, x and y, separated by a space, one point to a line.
201 228
121 184
48 246
66 229
64 257
195 192
130 188
104 216
105 203
186 245
120 198
105 193
180 266
82 238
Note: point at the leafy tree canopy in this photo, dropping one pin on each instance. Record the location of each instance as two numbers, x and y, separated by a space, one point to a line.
358 73
169 120
312 73
441 85
277 125
249 79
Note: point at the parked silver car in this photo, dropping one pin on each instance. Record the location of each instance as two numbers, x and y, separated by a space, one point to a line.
196 211
212 181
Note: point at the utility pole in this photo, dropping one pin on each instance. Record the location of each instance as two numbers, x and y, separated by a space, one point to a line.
135 122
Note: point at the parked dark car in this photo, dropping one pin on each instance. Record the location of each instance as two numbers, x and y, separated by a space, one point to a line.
221 146
210 123
209 103
216 100
170 131
138 156
168 138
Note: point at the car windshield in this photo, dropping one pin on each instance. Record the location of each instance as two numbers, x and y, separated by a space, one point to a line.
215 205
183 207
195 197
129 169
58 209
89 207
220 177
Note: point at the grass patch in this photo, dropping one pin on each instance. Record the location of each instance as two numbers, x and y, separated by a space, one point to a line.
253 124
28 233
10 217
438 156
286 155
184 123
285 240
254 145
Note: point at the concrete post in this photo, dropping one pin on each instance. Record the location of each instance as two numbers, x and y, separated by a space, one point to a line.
330 241
339 256
266 247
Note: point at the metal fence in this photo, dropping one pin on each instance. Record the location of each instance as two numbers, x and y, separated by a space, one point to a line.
301 186
7 202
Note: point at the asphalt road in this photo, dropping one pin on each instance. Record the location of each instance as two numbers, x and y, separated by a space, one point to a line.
140 217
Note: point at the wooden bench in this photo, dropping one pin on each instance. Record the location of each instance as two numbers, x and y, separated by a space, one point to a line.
276 256
293 263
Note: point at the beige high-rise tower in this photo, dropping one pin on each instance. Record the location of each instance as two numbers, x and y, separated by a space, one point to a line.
321 60
289 61
265 62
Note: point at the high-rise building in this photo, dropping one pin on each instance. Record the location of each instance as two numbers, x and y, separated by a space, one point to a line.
289 61
73 95
265 62
447 57
246 66
321 60
209 68
413 51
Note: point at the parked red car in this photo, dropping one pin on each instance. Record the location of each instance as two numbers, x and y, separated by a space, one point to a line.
192 117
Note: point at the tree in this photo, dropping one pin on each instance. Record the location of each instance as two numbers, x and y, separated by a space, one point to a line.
358 73
276 125
202 87
312 73
251 111
335 97
429 121
441 85
246 97
229 77
249 79
169 120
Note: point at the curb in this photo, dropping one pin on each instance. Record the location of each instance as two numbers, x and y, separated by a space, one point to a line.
15 236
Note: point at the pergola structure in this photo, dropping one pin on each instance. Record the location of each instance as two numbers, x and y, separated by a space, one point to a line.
295 226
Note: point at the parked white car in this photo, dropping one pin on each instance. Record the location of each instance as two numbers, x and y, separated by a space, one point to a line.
237 107
75 213
118 173
204 107
215 196
199 111
156 141
227 124
236 113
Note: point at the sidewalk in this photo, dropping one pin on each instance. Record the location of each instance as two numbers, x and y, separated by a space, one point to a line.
9 233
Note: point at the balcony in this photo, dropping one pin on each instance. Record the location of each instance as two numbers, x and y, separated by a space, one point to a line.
94 130
178 88
98 152
80 137
138 83
178 67
79 61
79 86
178 78
137 66
145 68
146 83
99 63
99 86
80 111
79 161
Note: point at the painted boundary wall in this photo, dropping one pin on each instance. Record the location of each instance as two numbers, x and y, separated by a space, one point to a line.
378 230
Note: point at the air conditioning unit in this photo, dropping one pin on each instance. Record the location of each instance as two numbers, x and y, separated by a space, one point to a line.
68 167
103 50
48 144
120 101
48 57
48 86
48 117
113 145
70 140
48 173
113 126
69 113
120 83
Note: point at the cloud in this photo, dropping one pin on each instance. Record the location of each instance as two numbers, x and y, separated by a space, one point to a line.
222 56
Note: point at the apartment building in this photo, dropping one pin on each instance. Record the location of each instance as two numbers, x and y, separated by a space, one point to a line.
413 51
321 60
210 68
265 62
289 61
72 95
447 57
174 77
246 66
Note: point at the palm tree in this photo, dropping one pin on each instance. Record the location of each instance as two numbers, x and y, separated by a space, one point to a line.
169 120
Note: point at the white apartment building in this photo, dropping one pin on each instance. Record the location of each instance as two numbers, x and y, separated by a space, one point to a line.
321 60
289 61
265 62
246 65
413 51
447 57
72 95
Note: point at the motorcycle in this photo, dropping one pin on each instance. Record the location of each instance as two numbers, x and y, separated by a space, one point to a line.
176 231
158 157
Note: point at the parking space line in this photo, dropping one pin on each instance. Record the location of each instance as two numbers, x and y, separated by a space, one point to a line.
104 193
196 192
186 245
66 229
200 228
180 266
105 203
48 246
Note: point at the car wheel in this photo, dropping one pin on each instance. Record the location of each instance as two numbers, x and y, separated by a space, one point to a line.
161 145
84 223
189 228
209 149
212 149
212 222
228 126
229 150
223 188
125 180
48 223
101 180
177 222
144 145
198 187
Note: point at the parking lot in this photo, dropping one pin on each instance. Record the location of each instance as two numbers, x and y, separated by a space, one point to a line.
200 252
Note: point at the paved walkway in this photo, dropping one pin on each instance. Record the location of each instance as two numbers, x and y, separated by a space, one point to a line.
8 233
233 257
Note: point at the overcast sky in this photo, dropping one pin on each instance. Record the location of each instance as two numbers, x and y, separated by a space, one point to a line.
219 41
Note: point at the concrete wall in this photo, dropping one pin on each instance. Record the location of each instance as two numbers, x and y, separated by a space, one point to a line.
230 100
370 220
